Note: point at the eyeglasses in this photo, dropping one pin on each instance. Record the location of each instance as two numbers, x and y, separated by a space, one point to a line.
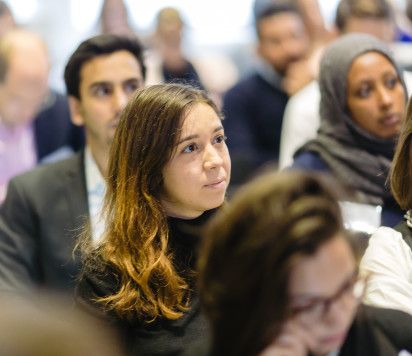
317 308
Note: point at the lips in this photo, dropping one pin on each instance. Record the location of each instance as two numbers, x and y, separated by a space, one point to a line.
218 183
390 120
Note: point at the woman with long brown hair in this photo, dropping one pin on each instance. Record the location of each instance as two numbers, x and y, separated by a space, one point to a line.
168 171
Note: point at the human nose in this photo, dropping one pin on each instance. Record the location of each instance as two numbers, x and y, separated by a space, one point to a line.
212 157
385 97
120 99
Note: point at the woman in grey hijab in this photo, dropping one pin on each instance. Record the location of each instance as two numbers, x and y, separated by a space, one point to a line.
362 107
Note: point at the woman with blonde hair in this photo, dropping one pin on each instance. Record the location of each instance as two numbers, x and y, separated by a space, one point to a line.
168 172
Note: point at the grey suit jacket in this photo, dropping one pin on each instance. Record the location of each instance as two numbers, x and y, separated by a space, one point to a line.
40 219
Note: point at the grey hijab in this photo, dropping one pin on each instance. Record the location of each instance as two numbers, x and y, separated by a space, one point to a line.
358 158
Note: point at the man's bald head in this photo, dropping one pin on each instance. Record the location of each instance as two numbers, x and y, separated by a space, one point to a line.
24 69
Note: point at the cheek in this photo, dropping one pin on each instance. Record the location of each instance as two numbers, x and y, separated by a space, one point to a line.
363 112
400 101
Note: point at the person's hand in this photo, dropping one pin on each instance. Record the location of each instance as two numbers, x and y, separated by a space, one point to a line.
302 72
294 340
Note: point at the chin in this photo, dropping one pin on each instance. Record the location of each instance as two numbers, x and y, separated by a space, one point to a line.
214 204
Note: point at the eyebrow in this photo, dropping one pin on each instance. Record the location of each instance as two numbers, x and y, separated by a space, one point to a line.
191 137
109 83
99 84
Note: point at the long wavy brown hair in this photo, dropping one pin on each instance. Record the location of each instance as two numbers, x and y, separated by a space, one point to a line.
135 244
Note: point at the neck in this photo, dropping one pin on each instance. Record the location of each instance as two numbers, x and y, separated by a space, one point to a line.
101 157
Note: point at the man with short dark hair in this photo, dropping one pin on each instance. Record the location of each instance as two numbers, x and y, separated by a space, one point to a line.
46 209
254 107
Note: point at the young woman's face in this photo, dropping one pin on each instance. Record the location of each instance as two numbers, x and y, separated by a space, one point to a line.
376 99
322 295
196 177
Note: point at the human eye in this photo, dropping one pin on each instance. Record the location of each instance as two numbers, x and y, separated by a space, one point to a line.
190 148
311 308
131 85
101 90
219 139
364 91
391 82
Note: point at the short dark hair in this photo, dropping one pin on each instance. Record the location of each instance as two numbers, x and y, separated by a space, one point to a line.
98 46
401 169
273 9
374 9
249 249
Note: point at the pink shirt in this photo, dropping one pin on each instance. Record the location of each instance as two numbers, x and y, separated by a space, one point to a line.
17 153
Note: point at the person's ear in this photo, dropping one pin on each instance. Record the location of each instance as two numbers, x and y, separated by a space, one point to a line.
75 111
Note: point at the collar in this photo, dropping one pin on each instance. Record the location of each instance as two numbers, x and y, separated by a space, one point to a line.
96 189
94 179
269 74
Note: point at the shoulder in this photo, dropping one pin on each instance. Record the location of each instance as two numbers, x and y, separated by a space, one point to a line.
46 183
47 172
245 86
378 331
387 237
310 161
396 325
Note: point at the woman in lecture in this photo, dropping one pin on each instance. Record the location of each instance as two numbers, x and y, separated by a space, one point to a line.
362 107
168 173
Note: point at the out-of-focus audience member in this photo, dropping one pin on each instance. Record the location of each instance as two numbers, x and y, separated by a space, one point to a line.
168 173
114 18
301 119
388 257
278 275
45 208
34 120
166 60
7 20
254 106
362 108
48 325
311 14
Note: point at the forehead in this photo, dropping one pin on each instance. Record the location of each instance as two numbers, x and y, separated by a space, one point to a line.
369 65
113 67
280 22
323 272
198 117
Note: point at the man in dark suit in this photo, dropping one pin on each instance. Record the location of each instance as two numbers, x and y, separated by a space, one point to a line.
46 208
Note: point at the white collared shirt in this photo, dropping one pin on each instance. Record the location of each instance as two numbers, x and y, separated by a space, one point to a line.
96 189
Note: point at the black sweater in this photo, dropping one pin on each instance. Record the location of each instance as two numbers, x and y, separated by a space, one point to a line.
162 337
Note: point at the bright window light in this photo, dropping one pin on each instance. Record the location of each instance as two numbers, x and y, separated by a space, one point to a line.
23 10
84 16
